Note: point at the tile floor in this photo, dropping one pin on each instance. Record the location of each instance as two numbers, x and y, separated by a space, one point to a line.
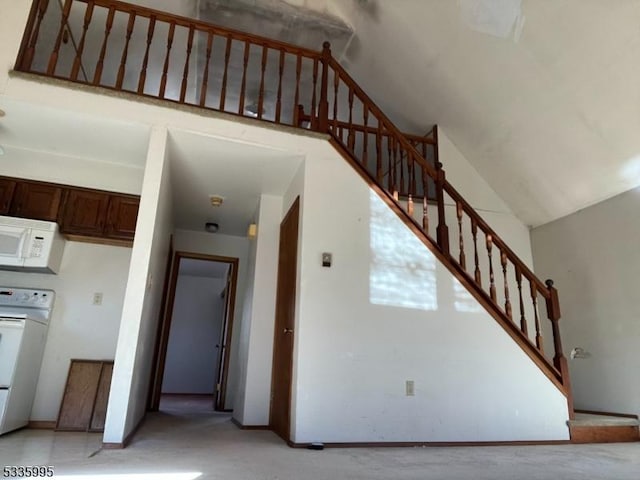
195 443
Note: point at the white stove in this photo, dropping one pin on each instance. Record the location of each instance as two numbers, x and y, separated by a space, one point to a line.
24 318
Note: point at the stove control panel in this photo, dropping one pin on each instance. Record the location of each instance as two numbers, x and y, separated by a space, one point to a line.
26 297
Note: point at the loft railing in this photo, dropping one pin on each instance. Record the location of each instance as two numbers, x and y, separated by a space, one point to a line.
115 45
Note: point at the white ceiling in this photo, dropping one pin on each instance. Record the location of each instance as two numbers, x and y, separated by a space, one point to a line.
29 129
548 112
203 268
203 165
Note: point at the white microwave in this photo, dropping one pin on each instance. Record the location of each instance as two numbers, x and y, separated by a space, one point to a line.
30 245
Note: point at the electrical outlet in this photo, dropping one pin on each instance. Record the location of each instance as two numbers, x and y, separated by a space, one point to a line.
410 388
97 298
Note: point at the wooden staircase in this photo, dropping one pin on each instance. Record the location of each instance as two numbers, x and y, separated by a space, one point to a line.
256 77
594 427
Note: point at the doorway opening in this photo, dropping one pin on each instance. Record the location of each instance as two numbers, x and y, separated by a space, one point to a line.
191 365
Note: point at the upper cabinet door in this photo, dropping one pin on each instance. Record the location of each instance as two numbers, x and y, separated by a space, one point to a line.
35 200
123 214
84 212
7 187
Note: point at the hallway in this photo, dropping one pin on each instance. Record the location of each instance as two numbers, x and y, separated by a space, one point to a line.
198 445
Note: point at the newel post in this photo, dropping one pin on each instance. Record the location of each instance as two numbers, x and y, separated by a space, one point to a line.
323 106
559 360
442 231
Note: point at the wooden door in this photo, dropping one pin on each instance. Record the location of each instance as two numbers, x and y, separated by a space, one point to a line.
7 187
36 200
222 366
123 214
84 212
284 324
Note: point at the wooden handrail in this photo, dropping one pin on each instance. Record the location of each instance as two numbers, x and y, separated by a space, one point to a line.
469 210
373 108
412 137
187 22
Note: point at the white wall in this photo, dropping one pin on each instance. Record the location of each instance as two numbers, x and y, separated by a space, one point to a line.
593 257
134 353
195 331
226 246
78 329
12 22
354 352
256 351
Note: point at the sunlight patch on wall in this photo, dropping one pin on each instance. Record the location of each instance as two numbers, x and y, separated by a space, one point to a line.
463 300
402 271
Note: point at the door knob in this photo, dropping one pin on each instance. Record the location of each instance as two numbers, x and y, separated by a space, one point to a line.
288 330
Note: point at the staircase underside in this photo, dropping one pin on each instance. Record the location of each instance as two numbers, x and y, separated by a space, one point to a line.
601 428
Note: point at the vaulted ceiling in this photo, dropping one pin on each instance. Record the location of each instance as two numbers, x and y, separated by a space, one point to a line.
541 96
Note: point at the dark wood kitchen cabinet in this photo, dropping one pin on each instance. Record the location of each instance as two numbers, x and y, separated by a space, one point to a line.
36 200
92 213
84 213
7 187
122 217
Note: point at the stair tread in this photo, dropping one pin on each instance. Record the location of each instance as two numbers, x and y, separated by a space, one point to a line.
593 420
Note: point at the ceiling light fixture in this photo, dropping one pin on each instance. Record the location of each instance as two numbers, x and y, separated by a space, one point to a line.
216 200
211 227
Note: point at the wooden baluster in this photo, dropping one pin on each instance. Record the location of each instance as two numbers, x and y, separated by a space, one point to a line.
323 108
389 175
365 136
507 301
185 72
425 215
559 360
97 76
296 95
476 271
314 116
53 59
243 84
410 205
75 69
412 175
379 152
27 59
125 51
351 138
279 95
336 86
400 161
462 257
534 300
442 231
145 62
263 69
492 284
165 68
523 321
225 75
205 75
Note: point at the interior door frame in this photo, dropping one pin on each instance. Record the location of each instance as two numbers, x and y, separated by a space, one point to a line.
166 317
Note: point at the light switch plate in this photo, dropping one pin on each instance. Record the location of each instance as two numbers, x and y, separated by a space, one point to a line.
326 259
